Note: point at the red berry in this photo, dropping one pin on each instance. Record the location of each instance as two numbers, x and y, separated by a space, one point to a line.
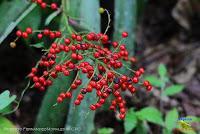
67 41
43 5
39 36
39 1
68 95
124 34
146 83
59 99
58 34
62 95
73 36
54 6
115 44
122 116
19 33
25 35
135 79
77 102
89 88
80 97
46 32
92 107
149 88
79 38
29 30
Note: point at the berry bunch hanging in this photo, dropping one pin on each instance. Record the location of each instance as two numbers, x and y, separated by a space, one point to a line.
101 71
102 74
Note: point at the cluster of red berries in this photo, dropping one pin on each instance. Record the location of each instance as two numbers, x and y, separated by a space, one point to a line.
45 32
43 4
24 34
101 71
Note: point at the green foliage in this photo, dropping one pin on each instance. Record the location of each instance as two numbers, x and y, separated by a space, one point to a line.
141 128
172 90
6 100
38 45
17 10
154 80
32 20
105 131
150 114
171 119
162 70
162 81
50 18
7 127
130 121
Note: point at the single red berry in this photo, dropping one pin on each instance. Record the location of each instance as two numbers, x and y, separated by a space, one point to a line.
74 56
62 95
79 38
39 36
52 35
77 102
124 34
89 88
58 34
146 83
68 95
89 37
29 30
73 36
54 6
122 110
149 88
59 99
92 107
115 44
46 32
122 116
67 41
25 35
141 70
39 1
135 79
80 97
43 5
19 33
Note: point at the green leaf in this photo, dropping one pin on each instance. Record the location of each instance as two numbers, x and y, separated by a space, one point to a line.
172 90
171 119
150 114
141 128
17 10
5 99
7 127
194 118
105 131
32 20
166 131
162 70
130 121
38 45
51 17
154 80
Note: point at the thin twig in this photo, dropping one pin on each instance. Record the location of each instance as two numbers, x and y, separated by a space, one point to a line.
109 20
